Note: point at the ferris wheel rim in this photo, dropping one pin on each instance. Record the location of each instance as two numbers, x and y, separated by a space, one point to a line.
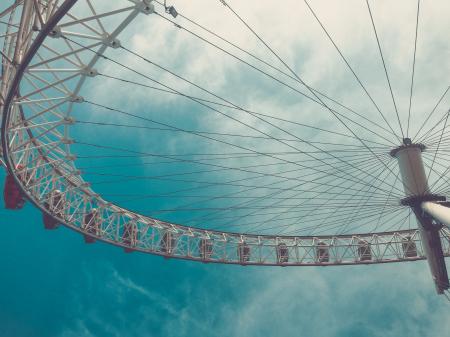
62 10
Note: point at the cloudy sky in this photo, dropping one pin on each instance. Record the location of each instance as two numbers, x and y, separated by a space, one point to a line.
52 284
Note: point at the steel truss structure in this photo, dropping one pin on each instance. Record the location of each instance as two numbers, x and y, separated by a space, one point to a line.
44 67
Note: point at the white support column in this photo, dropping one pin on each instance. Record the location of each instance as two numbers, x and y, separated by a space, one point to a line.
438 212
412 170
416 188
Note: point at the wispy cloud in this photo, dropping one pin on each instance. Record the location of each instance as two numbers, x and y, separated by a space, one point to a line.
387 300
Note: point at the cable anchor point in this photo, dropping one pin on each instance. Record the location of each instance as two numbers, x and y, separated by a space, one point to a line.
170 10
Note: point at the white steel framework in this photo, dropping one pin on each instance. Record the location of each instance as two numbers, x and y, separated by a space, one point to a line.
43 70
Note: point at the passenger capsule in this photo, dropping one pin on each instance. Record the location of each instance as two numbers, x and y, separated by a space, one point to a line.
91 225
364 251
205 248
49 221
12 194
322 252
243 252
167 243
130 236
282 253
55 205
409 247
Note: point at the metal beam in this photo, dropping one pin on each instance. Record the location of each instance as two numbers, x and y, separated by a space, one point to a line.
416 188
438 212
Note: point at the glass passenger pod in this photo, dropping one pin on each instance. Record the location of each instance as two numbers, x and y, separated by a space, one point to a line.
130 236
168 243
243 251
409 247
282 253
12 194
322 252
55 204
91 225
364 251
205 248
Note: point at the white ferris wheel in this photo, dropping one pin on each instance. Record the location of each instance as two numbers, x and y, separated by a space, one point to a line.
324 144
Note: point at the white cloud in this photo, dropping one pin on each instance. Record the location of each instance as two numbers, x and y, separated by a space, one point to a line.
384 300
293 32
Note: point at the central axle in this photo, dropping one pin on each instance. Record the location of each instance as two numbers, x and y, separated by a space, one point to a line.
429 213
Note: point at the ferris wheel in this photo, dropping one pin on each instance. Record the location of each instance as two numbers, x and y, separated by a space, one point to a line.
199 131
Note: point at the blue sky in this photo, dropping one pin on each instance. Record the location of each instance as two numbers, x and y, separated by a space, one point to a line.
52 284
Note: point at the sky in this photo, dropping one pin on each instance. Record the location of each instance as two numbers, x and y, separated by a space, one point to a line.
52 284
